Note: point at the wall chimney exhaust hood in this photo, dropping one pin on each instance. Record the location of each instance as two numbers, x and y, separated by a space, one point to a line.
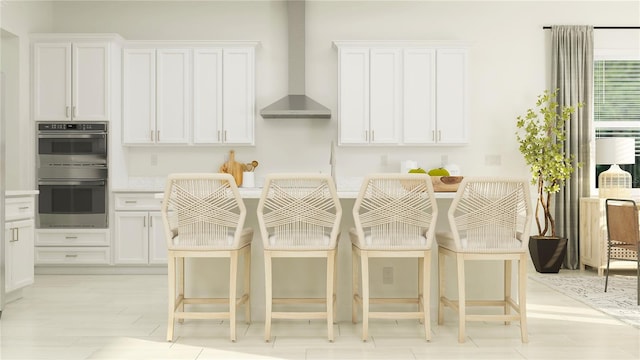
296 104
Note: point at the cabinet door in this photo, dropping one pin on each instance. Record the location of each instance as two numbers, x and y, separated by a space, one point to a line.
419 104
139 96
90 88
238 102
52 81
385 97
157 239
452 96
173 96
131 242
19 247
353 95
207 96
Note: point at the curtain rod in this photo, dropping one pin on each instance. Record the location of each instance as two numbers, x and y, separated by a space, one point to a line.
606 27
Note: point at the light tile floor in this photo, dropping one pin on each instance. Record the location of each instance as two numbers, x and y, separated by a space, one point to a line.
124 317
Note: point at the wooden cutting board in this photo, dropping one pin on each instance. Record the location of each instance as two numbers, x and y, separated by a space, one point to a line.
233 167
446 183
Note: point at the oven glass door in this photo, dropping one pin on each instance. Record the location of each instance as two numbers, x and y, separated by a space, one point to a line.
72 204
72 144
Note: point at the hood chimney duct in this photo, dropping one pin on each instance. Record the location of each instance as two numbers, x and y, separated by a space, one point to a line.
296 104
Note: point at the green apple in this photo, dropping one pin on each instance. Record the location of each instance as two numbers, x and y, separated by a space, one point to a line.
417 171
439 172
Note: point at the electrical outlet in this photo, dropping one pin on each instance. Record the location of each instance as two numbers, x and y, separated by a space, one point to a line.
384 160
154 160
387 275
492 160
444 160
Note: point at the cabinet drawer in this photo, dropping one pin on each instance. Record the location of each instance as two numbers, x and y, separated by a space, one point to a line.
19 208
72 238
72 255
137 201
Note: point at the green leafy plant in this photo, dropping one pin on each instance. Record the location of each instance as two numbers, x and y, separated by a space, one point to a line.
541 134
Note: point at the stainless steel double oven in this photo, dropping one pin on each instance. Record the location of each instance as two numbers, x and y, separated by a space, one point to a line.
72 170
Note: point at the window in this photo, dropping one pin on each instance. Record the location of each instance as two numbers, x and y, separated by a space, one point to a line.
616 110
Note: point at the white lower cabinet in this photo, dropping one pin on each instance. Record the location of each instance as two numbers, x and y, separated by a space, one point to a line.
18 237
139 238
73 247
139 231
19 228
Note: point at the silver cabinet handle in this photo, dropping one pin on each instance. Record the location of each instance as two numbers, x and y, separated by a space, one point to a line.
23 208
150 222
373 135
366 135
433 135
14 236
74 111
144 222
225 136
71 255
131 201
151 134
158 135
70 237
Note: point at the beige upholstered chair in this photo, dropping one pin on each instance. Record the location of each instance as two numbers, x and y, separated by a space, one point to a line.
623 235
299 217
203 216
490 219
395 217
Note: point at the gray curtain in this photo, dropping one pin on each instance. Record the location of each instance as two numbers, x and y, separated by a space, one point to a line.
572 73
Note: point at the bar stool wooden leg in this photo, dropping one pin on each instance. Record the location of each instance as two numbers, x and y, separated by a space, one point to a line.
364 273
507 288
329 296
522 296
247 284
171 270
354 283
441 288
233 274
461 298
426 293
268 283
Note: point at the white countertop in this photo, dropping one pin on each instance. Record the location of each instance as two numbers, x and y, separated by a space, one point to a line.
348 188
15 193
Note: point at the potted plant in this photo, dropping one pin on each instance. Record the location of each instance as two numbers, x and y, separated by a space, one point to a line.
541 134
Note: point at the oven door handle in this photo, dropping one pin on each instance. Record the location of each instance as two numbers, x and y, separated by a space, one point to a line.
73 182
72 136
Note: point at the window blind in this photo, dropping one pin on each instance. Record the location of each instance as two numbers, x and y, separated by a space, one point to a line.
616 90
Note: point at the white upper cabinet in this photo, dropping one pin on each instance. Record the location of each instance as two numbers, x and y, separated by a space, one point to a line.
385 96
139 96
207 96
419 96
353 93
238 106
71 81
451 105
402 93
173 80
156 96
192 95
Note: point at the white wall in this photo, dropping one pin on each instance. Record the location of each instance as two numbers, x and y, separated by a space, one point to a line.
508 70
19 19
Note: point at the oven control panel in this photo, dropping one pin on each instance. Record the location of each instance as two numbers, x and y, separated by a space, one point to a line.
101 127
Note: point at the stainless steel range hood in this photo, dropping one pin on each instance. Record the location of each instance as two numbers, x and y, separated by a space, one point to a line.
296 104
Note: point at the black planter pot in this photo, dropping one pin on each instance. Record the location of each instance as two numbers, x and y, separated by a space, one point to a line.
547 253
